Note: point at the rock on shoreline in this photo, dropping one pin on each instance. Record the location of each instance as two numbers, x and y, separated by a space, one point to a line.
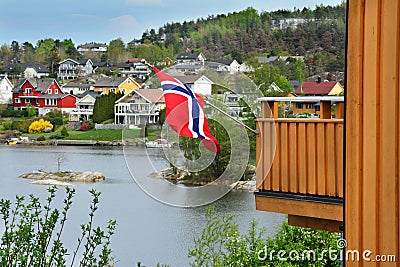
66 176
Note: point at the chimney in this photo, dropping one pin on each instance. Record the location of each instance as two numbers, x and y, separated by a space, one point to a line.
319 79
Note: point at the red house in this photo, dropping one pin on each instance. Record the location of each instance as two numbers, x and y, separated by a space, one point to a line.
44 94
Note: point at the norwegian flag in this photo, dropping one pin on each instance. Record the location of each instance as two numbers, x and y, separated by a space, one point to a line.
184 111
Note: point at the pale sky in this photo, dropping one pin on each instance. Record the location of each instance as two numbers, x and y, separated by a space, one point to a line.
105 20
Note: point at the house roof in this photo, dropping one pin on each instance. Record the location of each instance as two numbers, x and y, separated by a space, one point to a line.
54 96
101 65
91 93
227 62
76 85
188 55
39 68
315 88
188 78
77 61
39 85
152 95
109 81
135 59
91 45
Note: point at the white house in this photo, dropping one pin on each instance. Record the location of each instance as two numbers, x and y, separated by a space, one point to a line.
93 47
200 84
72 69
139 107
5 90
84 107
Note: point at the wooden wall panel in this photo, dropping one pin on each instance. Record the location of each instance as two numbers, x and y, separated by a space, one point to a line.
372 129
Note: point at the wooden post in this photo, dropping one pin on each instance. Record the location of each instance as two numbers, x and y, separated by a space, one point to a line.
269 109
372 216
325 110
339 114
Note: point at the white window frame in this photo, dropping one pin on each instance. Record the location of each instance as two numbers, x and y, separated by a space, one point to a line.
18 100
27 101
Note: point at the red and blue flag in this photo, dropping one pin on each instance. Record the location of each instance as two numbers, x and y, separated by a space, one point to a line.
184 111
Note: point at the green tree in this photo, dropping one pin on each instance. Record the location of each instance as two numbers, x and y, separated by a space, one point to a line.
6 54
116 51
104 107
299 69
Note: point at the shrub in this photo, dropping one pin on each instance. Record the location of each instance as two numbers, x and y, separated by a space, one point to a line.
7 125
32 233
13 113
22 125
56 136
56 121
41 138
221 244
40 126
64 132
85 126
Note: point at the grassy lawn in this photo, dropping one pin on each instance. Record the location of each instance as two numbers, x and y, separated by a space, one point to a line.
98 135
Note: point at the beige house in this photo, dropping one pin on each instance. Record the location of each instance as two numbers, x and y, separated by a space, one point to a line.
139 107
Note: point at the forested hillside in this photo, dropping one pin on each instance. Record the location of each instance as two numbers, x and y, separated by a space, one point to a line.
318 34
249 32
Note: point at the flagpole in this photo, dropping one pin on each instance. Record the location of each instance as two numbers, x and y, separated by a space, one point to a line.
217 108
232 118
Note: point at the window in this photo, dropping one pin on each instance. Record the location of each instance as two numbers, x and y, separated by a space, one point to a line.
18 100
49 91
56 91
28 90
129 81
299 105
27 101
310 105
50 102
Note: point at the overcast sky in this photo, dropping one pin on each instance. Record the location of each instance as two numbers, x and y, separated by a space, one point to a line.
105 20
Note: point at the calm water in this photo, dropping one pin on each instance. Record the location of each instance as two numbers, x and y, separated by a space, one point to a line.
148 230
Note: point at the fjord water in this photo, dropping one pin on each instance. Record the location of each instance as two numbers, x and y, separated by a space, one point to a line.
148 230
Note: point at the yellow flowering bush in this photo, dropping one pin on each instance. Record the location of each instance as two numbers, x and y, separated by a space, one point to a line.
40 126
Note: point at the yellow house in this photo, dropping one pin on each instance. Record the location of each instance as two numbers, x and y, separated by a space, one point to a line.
116 85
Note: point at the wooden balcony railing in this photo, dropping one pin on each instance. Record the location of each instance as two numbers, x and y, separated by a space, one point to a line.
300 163
307 159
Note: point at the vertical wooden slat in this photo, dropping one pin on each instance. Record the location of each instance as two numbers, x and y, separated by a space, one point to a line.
311 159
370 119
293 166
321 160
302 158
284 158
259 157
276 182
389 90
267 156
330 159
339 134
353 117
